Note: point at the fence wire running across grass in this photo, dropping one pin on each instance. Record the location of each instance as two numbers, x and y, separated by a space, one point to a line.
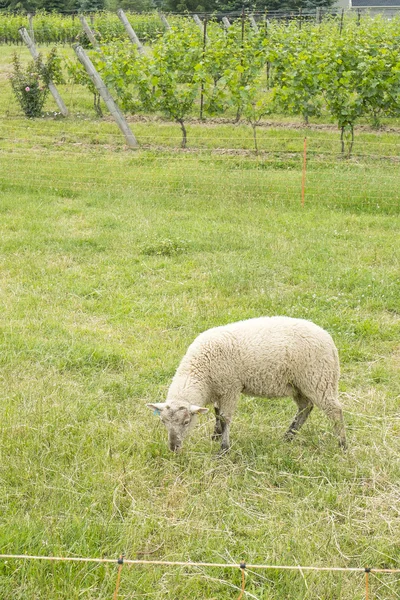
243 566
314 172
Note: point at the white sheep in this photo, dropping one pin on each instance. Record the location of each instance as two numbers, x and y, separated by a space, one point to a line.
269 357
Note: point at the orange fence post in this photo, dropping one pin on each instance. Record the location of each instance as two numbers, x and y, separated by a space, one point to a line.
367 571
242 567
303 181
120 563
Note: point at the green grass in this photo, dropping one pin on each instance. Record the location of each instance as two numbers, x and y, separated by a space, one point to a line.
112 261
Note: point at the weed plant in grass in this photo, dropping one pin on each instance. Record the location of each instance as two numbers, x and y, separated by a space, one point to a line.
111 262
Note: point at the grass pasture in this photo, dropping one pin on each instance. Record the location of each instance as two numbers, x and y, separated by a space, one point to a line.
112 261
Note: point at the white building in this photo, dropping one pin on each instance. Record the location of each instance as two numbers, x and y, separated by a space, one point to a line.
388 7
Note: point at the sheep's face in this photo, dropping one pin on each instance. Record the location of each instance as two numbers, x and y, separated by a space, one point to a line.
179 419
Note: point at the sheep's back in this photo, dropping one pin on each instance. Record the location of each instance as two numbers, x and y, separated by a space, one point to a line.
267 356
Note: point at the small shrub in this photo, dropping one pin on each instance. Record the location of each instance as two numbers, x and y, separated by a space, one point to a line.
30 84
165 247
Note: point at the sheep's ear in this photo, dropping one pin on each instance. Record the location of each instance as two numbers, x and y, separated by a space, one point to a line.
196 410
157 408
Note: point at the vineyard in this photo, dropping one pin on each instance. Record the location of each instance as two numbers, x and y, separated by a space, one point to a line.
345 71
53 28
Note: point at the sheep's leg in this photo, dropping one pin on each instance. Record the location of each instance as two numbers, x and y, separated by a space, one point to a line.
305 407
227 406
334 412
219 424
330 405
225 443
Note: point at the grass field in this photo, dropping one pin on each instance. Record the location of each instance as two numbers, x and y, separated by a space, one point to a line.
112 261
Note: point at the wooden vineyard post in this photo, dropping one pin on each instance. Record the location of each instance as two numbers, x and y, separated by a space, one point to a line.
303 180
201 25
198 22
165 22
130 31
54 92
105 94
89 32
31 30
253 23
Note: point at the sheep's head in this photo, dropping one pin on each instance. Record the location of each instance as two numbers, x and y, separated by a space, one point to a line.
179 418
